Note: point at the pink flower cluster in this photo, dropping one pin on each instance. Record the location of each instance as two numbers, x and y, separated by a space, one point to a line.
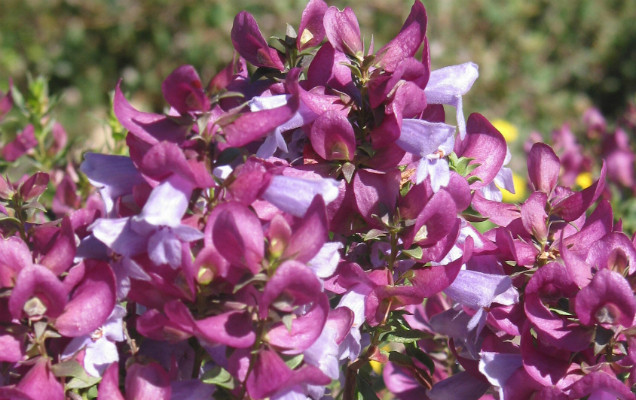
290 224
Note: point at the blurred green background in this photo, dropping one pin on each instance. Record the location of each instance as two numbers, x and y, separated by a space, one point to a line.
541 62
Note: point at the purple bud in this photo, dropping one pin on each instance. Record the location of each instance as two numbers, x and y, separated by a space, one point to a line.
250 44
343 31
311 30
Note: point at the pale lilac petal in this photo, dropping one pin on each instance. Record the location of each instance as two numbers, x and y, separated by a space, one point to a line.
294 195
324 263
167 203
459 386
192 389
117 234
447 85
421 137
164 248
113 175
499 367
99 355
476 289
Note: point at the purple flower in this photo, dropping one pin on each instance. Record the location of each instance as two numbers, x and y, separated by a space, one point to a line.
157 229
100 346
447 86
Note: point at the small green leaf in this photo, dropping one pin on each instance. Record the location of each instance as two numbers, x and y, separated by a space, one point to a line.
473 179
347 170
287 321
373 234
295 361
414 252
219 377
400 359
404 336
415 352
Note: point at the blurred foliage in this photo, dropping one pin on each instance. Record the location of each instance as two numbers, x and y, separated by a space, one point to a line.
541 62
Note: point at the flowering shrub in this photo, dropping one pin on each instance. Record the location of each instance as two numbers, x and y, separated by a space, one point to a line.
302 229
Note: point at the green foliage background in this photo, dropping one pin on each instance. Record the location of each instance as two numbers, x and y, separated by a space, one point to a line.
541 62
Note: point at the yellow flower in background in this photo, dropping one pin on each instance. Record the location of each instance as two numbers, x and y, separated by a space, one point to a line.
508 130
520 190
584 180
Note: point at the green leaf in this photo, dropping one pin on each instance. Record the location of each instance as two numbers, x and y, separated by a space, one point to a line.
400 359
287 321
473 179
415 352
295 361
404 336
373 234
219 377
415 252
78 383
364 389
347 170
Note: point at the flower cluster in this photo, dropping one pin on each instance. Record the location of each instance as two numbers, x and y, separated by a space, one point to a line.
302 227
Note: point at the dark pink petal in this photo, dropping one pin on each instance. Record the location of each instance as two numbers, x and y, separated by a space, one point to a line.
269 374
576 204
514 249
607 300
14 255
12 344
250 44
497 212
550 283
543 168
11 393
434 279
311 233
534 217
252 126
61 250
296 282
231 328
545 364
376 193
108 388
332 136
37 281
155 325
223 78
6 100
342 31
435 221
613 251
486 145
165 158
59 138
597 225
147 382
250 181
40 380
21 144
327 69
92 301
408 70
459 191
147 127
600 385
407 42
183 90
578 269
34 186
311 30
238 235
